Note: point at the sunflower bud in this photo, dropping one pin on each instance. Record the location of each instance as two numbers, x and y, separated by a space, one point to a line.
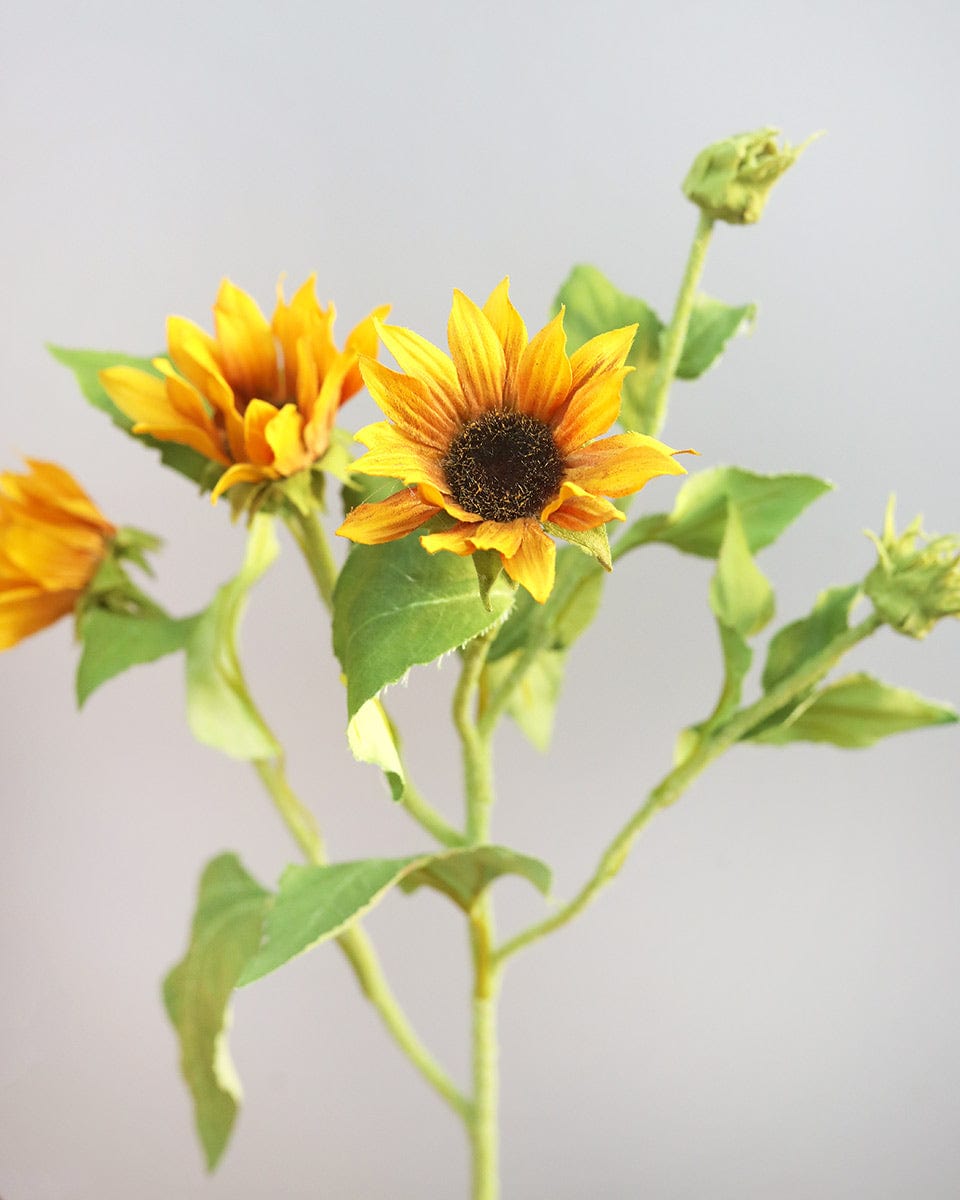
731 180
916 581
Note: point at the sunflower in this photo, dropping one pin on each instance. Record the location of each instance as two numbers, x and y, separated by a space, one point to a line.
259 399
501 435
52 540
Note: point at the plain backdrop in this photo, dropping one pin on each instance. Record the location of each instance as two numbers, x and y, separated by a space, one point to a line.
766 1002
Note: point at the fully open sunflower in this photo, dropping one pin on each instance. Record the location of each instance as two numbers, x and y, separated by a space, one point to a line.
501 435
260 399
52 540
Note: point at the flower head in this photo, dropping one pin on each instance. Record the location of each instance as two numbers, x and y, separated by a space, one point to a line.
500 436
52 540
258 398
916 581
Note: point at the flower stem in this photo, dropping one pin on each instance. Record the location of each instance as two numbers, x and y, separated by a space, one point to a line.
676 333
674 784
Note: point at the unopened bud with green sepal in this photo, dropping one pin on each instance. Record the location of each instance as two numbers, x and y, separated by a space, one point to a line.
916 581
731 180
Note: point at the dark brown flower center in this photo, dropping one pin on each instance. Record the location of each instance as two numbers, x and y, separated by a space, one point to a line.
503 466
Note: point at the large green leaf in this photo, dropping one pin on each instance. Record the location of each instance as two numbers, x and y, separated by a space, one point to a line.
854 712
87 365
114 641
712 325
767 504
740 594
795 643
396 606
219 708
227 928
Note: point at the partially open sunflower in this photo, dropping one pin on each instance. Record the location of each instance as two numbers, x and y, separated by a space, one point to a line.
501 435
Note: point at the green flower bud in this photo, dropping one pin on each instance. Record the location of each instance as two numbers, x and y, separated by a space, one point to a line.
916 581
731 180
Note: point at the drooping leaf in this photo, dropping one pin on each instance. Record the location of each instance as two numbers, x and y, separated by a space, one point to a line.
372 739
227 927
593 306
114 641
87 365
533 704
795 643
396 606
712 325
767 504
740 595
219 709
855 712
464 875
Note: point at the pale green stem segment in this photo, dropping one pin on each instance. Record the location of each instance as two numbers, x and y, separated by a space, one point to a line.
313 543
672 785
676 333
478 777
357 946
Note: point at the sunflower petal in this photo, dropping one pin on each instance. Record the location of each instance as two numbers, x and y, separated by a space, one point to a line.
603 353
622 464
477 355
29 611
408 404
257 449
284 436
245 345
534 564
512 332
362 341
577 509
56 490
543 378
387 520
393 454
590 411
194 353
464 539
430 367
241 473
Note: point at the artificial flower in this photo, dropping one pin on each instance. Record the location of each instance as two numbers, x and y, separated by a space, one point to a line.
258 398
52 540
501 435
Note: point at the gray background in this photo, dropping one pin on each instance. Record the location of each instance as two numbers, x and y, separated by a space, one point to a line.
766 1003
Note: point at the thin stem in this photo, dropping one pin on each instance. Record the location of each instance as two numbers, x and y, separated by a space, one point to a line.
428 817
673 785
477 768
679 323
298 819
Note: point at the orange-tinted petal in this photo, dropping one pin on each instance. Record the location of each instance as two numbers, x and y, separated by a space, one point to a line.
56 490
284 436
477 355
302 325
53 557
257 449
620 465
605 352
590 411
323 414
543 379
194 354
387 520
28 611
575 508
362 342
430 367
242 473
464 539
534 564
393 454
408 404
512 332
245 346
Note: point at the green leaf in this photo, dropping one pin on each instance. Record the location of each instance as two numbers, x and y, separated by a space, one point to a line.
740 594
373 739
712 325
855 712
113 641
737 657
396 606
594 306
219 708
767 505
227 927
795 643
87 365
588 541
534 701
464 875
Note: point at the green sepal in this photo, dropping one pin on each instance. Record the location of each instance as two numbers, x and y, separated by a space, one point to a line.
488 565
314 904
594 542
226 931
115 641
855 712
740 594
396 606
767 505
219 708
373 739
86 366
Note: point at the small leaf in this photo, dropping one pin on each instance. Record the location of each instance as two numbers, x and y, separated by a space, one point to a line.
87 365
219 708
533 704
373 740
396 606
589 541
227 927
712 325
113 642
568 610
795 643
856 712
464 875
767 505
740 594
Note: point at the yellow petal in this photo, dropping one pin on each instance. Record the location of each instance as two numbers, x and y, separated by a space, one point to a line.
362 341
590 411
51 556
464 539
140 396
56 491
28 612
441 498
284 436
241 473
577 509
386 520
398 456
301 324
605 352
534 564
511 331
477 355
316 435
409 405
194 354
543 379
620 465
258 416
430 367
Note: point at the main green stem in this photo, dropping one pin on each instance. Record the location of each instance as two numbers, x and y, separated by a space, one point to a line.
674 784
478 777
